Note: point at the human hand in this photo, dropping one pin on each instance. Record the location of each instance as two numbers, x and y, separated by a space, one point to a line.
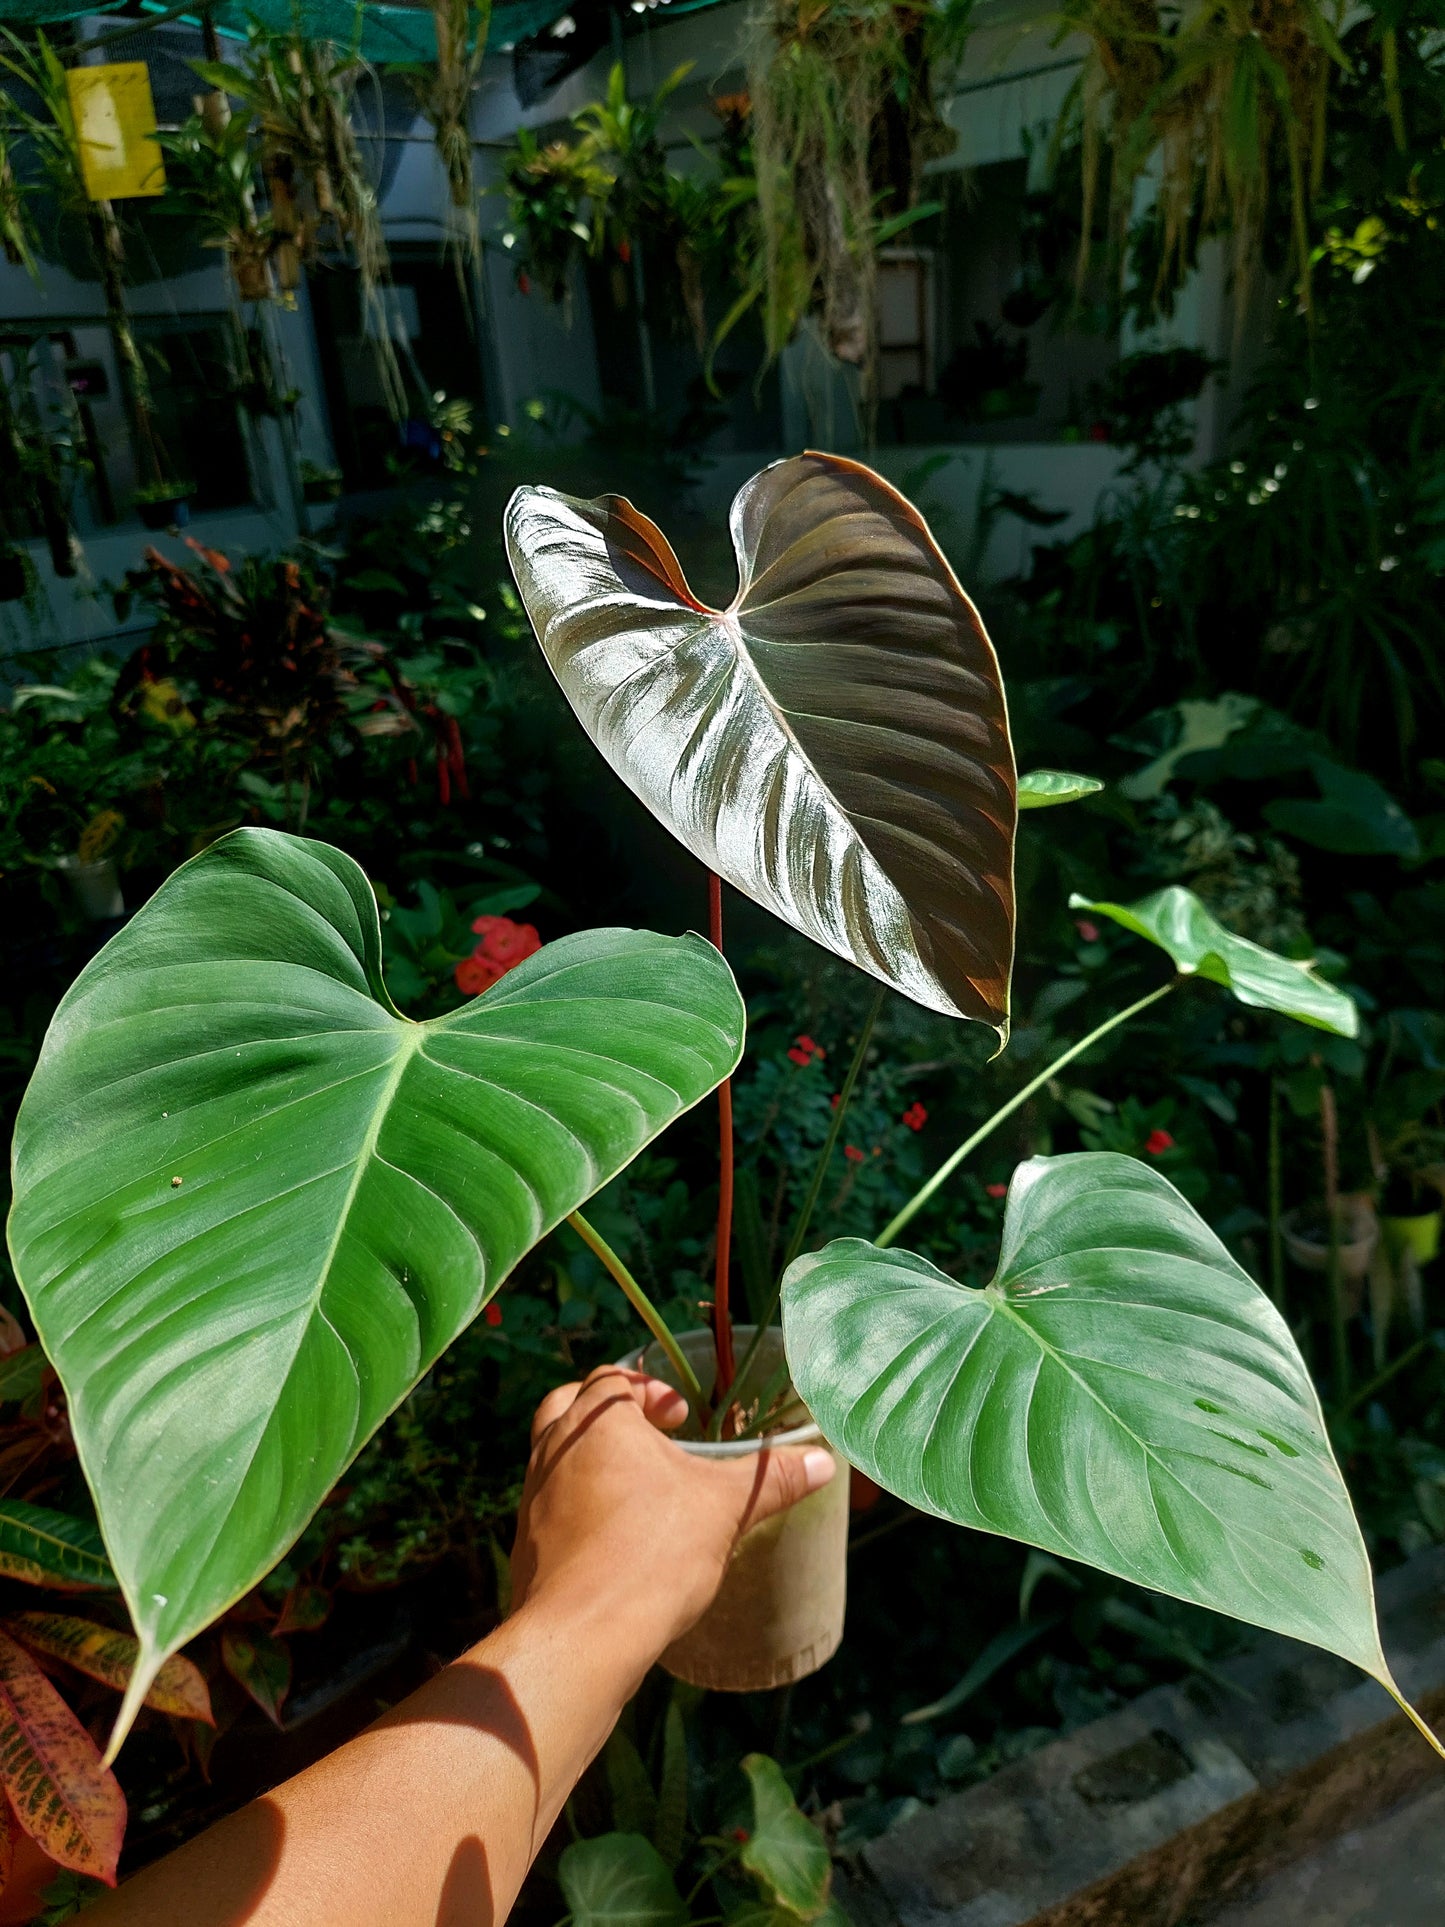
614 1514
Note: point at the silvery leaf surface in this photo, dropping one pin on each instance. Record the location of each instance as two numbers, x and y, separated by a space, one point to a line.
834 744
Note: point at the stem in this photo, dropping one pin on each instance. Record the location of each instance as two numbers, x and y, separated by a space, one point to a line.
646 1311
722 1324
951 1164
766 1399
1410 1714
820 1171
1339 1325
716 1868
1276 1198
1382 1378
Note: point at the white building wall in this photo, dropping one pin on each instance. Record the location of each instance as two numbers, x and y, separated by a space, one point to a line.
1016 79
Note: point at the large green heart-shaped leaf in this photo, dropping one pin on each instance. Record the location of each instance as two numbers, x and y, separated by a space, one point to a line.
1178 922
834 743
1120 1393
253 1203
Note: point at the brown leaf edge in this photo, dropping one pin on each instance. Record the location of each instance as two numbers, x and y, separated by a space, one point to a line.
64 1797
102 1653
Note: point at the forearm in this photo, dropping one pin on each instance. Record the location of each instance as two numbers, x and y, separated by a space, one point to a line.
433 1815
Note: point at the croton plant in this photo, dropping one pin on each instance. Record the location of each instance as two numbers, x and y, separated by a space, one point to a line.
254 1201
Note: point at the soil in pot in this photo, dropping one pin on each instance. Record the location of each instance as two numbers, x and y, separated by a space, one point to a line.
779 1615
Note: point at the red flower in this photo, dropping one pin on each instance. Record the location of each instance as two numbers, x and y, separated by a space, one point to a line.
503 946
799 1056
504 942
475 974
852 1153
1088 931
915 1117
996 1190
836 1099
524 284
493 1313
1157 1143
805 1050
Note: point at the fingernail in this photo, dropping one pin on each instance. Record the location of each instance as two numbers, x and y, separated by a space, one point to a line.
818 1467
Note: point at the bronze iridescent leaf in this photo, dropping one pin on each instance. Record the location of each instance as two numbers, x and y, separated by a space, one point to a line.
835 744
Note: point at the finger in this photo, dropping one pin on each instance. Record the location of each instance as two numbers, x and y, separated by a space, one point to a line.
610 1382
780 1477
559 1400
664 1405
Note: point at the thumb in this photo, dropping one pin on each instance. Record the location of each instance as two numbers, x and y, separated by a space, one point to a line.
779 1477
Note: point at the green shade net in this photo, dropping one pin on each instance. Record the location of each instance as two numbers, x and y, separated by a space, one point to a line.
387 33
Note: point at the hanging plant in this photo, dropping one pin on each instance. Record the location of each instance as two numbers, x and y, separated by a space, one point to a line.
17 232
554 196
1229 103
844 120
320 194
444 97
55 142
210 170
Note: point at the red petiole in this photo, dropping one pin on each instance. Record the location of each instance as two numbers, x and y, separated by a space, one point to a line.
722 1324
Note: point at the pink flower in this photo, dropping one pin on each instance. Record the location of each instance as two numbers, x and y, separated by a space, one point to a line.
1157 1143
915 1117
996 1190
1088 931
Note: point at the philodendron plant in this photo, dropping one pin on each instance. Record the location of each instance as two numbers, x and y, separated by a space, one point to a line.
254 1202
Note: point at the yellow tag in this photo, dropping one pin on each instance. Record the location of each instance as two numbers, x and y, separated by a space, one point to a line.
114 115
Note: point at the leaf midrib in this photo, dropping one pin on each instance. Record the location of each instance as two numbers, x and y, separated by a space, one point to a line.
409 1041
50 1538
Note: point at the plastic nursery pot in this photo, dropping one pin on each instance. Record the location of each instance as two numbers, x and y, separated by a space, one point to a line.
1419 1234
779 1615
170 512
1306 1238
96 887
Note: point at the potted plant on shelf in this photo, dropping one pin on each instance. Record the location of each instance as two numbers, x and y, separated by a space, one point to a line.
320 484
164 505
240 1169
